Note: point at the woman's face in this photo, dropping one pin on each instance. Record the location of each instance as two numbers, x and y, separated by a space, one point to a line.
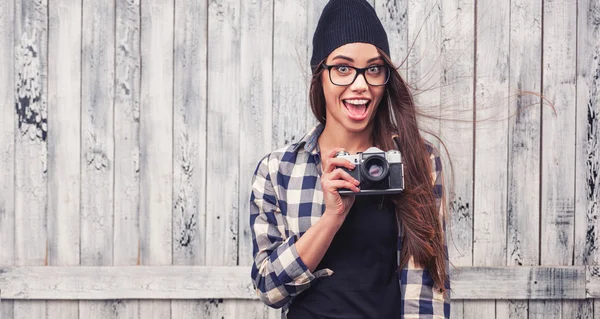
352 107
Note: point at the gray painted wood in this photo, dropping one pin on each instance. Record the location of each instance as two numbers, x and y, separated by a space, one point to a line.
97 144
223 141
456 131
490 176
31 56
290 76
126 239
64 140
524 141
423 62
189 144
232 282
256 80
7 144
156 141
558 138
394 17
587 156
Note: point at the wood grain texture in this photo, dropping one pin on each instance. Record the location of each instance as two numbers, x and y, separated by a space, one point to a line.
256 115
523 231
423 62
126 239
189 143
394 17
490 176
232 282
256 124
456 131
189 140
64 142
290 77
558 137
97 151
31 73
222 165
587 153
156 143
97 144
7 143
223 141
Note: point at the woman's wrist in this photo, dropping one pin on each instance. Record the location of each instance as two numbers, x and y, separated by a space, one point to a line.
332 220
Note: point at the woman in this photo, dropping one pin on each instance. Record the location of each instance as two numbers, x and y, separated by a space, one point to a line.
319 254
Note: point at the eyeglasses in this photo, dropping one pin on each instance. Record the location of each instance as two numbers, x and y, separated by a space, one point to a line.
344 75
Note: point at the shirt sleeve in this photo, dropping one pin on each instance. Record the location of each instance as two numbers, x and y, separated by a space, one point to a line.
278 273
420 299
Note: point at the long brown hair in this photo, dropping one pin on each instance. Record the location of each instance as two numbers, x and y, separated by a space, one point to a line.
416 209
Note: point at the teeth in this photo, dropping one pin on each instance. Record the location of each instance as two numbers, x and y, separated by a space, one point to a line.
357 102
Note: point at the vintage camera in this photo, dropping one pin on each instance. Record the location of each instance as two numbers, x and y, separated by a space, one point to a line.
378 172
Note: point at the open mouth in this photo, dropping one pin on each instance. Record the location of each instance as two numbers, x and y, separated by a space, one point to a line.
357 108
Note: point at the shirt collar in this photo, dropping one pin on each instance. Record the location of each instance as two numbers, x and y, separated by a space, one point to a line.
310 140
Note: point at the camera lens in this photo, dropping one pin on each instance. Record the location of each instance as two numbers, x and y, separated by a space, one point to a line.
375 168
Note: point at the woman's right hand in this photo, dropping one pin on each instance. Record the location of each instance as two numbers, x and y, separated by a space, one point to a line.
334 178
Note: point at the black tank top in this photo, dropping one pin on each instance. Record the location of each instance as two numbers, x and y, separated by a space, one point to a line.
363 258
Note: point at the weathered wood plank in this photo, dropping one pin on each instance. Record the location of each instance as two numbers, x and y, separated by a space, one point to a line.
587 152
126 236
256 113
156 143
490 176
7 143
223 141
519 283
423 62
457 125
524 140
156 132
64 143
222 165
189 149
394 17
31 72
558 138
97 156
189 171
202 282
456 131
256 125
290 78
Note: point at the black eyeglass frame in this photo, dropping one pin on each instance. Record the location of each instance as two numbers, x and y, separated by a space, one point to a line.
358 72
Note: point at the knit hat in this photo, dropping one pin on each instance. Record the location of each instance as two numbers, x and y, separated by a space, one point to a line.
343 22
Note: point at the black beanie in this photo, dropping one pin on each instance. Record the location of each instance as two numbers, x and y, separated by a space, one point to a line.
343 22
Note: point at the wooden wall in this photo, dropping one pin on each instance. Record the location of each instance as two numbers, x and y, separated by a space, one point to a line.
129 131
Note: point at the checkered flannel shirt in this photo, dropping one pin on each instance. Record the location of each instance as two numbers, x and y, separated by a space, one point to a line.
286 200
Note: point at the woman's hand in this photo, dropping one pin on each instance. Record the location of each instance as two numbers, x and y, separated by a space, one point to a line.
334 178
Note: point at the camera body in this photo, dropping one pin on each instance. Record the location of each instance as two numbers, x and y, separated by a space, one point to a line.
378 172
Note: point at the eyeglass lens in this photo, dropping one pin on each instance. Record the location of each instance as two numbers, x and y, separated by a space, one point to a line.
346 75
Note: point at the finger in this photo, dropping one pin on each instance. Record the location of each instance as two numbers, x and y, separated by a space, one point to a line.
334 185
338 162
333 152
339 173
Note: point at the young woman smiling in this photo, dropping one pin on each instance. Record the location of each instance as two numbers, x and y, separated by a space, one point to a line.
319 254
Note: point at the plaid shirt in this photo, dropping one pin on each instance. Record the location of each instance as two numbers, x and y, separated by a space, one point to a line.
286 200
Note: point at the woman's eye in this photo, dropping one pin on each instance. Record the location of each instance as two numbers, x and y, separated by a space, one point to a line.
343 69
374 69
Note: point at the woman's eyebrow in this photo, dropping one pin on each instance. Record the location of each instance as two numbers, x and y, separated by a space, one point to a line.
343 57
